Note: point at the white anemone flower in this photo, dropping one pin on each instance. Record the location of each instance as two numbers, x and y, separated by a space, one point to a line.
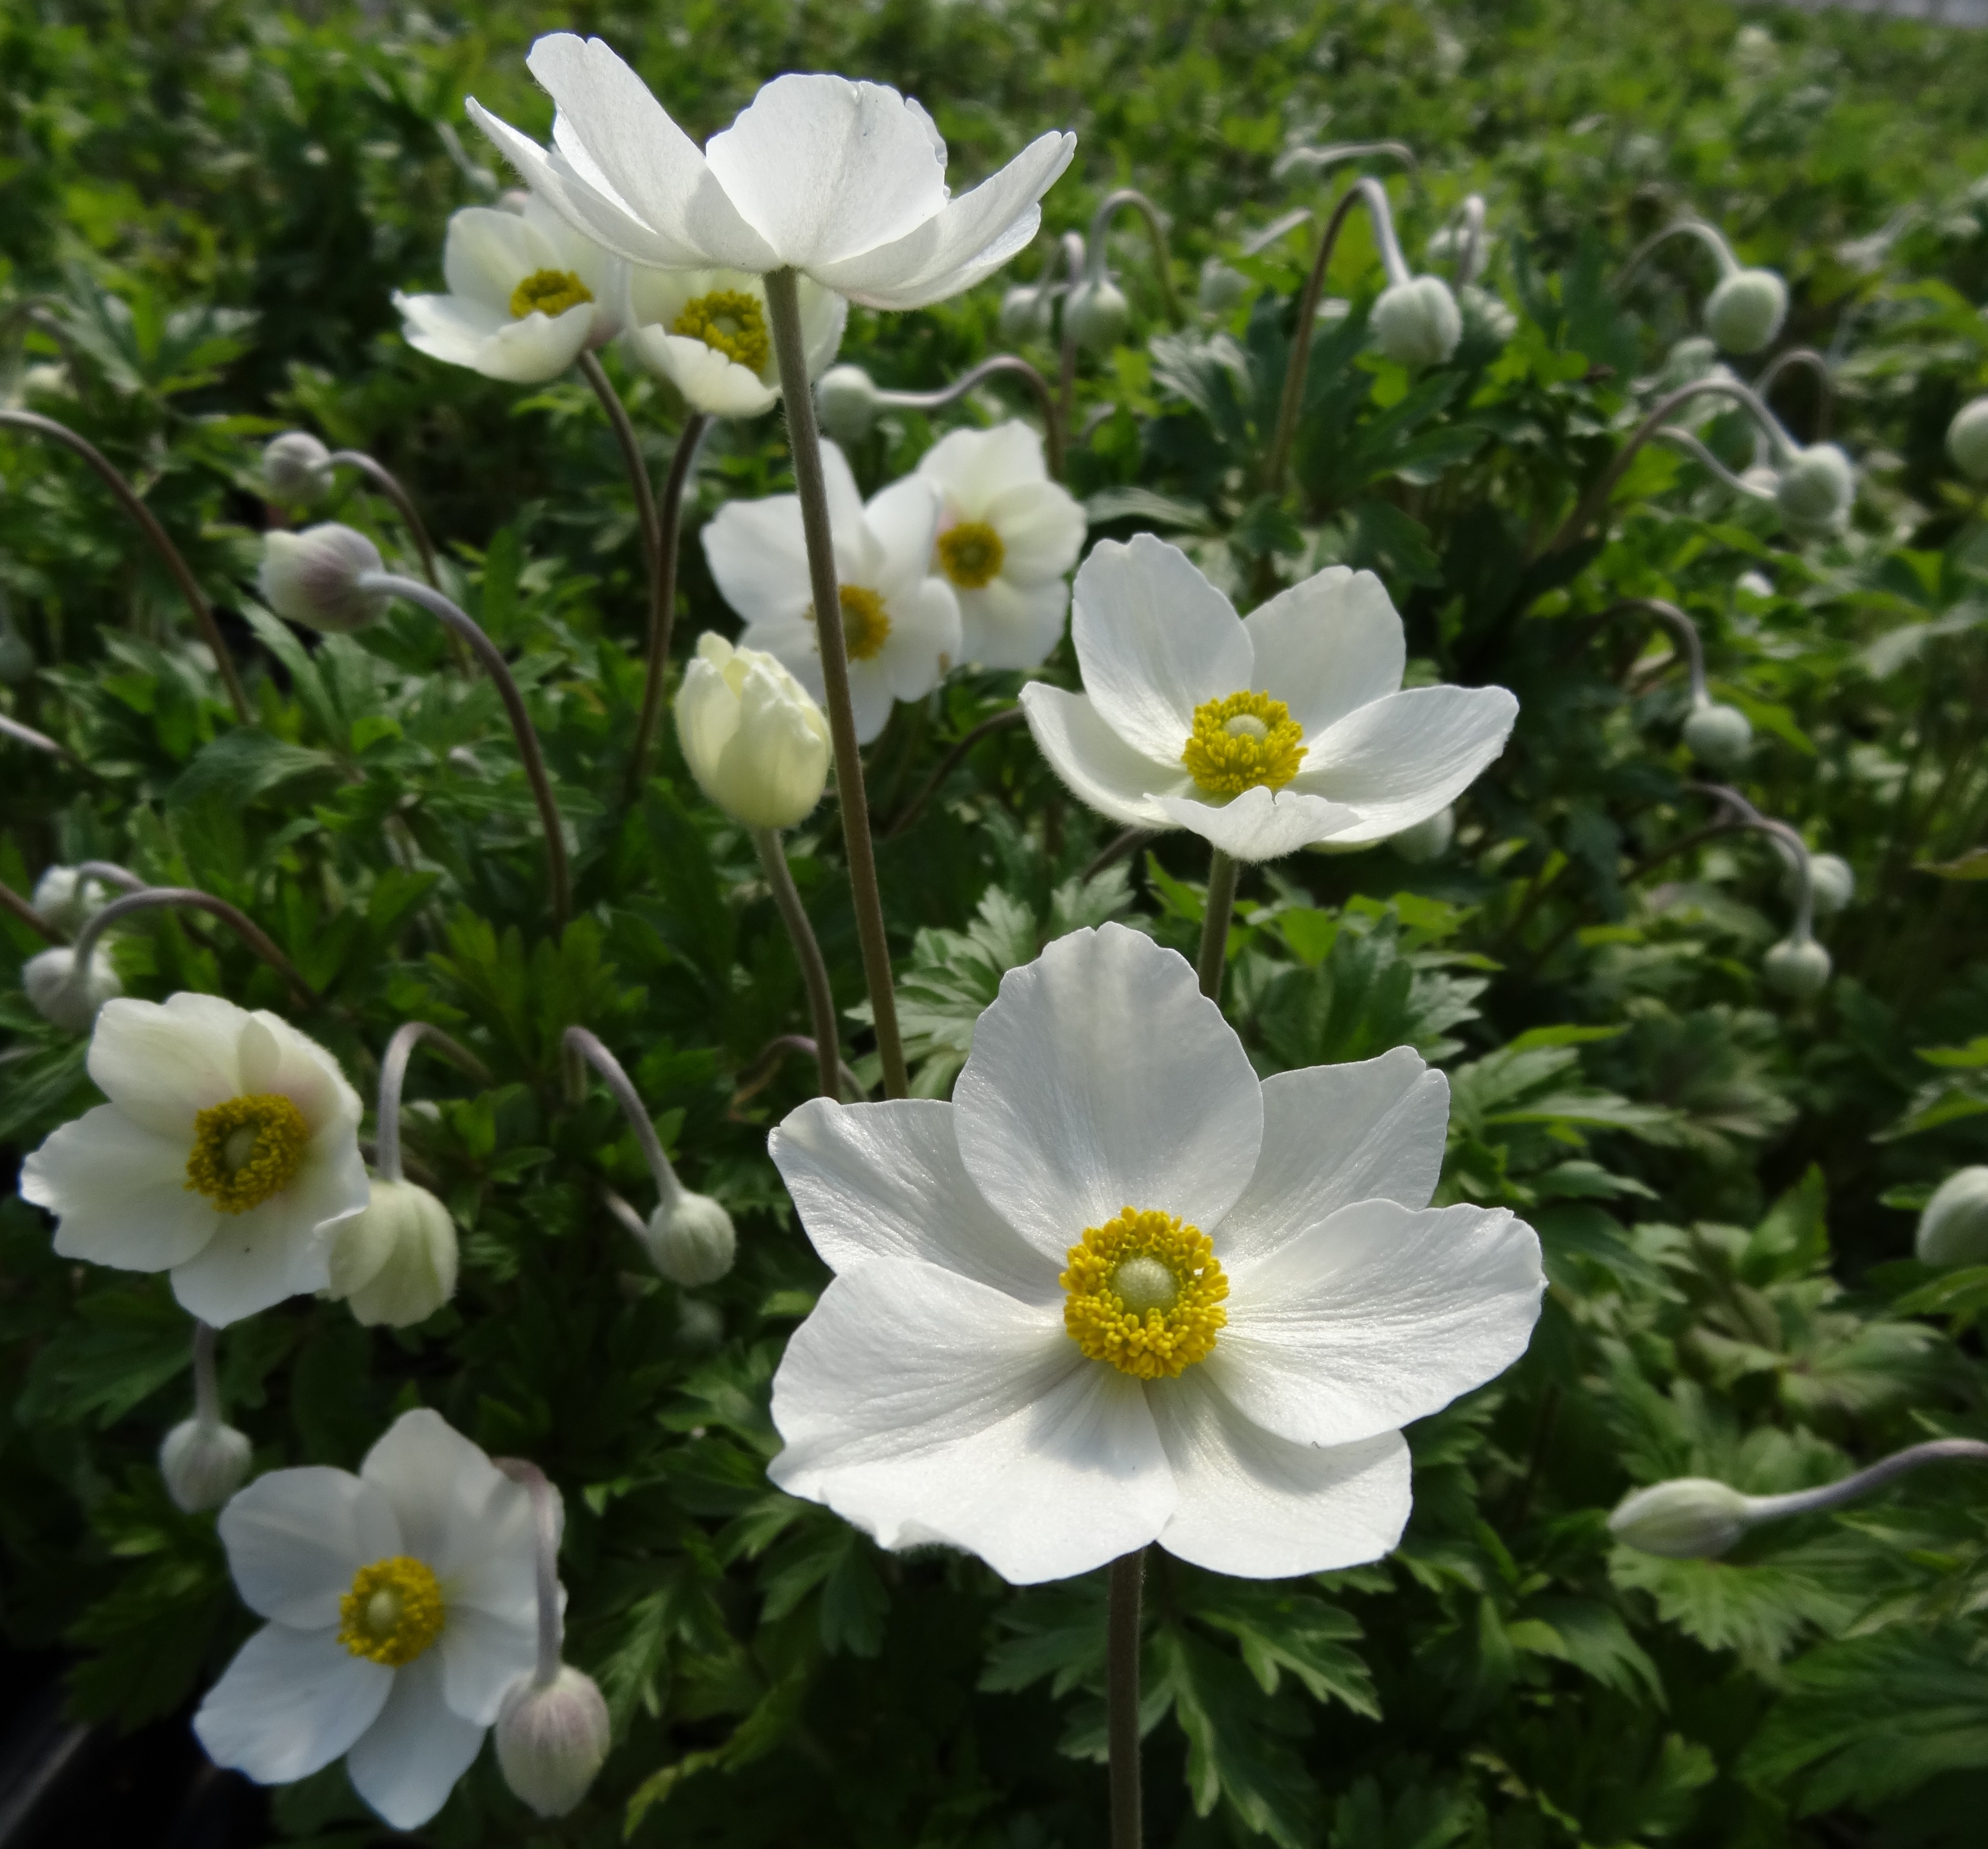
900 623
1263 733
1120 1290
1007 538
526 295
844 182
228 1155
403 1605
707 332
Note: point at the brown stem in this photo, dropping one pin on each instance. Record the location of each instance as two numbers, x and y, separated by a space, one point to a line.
1000 722
12 902
1100 225
663 597
1012 364
389 484
190 899
807 953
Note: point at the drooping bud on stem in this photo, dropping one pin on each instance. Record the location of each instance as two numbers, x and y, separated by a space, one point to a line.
1953 1225
203 1460
314 577
1797 967
1967 439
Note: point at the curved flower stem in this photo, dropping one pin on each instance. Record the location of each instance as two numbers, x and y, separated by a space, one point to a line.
1116 848
1223 870
1470 259
190 899
663 594
1040 389
807 953
631 447
1101 226
147 523
389 484
1121 1696
206 1382
1815 362
486 651
578 1041
1680 626
1315 161
1004 721
760 1074
546 1525
11 902
1073 260
1834 1495
393 1075
112 874
784 310
1794 850
1688 227
37 740
1677 439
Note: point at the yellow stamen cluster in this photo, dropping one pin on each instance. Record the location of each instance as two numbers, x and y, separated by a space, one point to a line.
732 323
1144 1292
246 1150
866 624
1246 742
392 1613
971 554
548 291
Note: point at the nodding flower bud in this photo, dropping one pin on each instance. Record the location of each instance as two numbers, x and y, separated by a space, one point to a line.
313 577
1953 1225
65 899
1418 323
690 1240
1832 883
1025 314
1967 439
1097 314
758 746
1798 968
203 1463
1221 287
296 469
394 1261
1427 840
1718 736
1746 311
847 398
1487 322
1815 490
1690 1518
552 1739
60 994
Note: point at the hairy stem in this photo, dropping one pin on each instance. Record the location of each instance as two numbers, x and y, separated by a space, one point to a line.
1222 869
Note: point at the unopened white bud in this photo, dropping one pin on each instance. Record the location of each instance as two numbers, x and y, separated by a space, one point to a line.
394 1261
1487 322
1718 736
61 996
1693 358
700 1325
1746 311
1754 583
1418 323
313 577
1815 490
690 1240
65 899
1797 968
1097 314
552 1741
1690 1518
1832 883
1427 840
847 398
1221 286
1953 1225
1967 439
296 468
203 1463
757 743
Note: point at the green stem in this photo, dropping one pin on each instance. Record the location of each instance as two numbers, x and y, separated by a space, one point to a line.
663 596
783 304
1222 869
807 952
1122 1697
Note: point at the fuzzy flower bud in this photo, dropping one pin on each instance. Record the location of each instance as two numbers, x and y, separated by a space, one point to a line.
756 743
1967 439
1098 314
313 577
1815 490
1690 1518
1024 314
296 468
1797 968
52 986
1719 737
1746 311
1953 1225
203 1463
552 1740
1221 287
1427 840
1487 322
65 899
1418 323
394 1261
1832 883
690 1240
847 398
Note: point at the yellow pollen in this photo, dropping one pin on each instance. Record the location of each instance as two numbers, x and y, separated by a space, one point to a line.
1144 1292
246 1150
392 1613
1246 742
732 323
866 624
971 554
548 291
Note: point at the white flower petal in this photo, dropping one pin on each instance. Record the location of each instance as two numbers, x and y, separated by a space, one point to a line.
846 517
885 1182
275 1057
486 253
757 551
1100 767
824 169
1257 1506
295 1539
973 466
291 1702
1041 528
164 1063
120 1191
710 382
924 643
448 328
1336 1135
1327 646
481 1656
904 519
869 697
1101 1078
923 1407
1398 760
794 644
1376 1316
1005 625
407 1762
1262 824
255 1260
535 349
1155 639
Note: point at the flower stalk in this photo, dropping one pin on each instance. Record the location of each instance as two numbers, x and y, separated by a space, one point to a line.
1121 1695
662 592
545 1533
1001 365
1074 259
190 899
12 903
37 740
1163 267
581 1044
389 485
807 953
1223 869
393 1077
783 304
